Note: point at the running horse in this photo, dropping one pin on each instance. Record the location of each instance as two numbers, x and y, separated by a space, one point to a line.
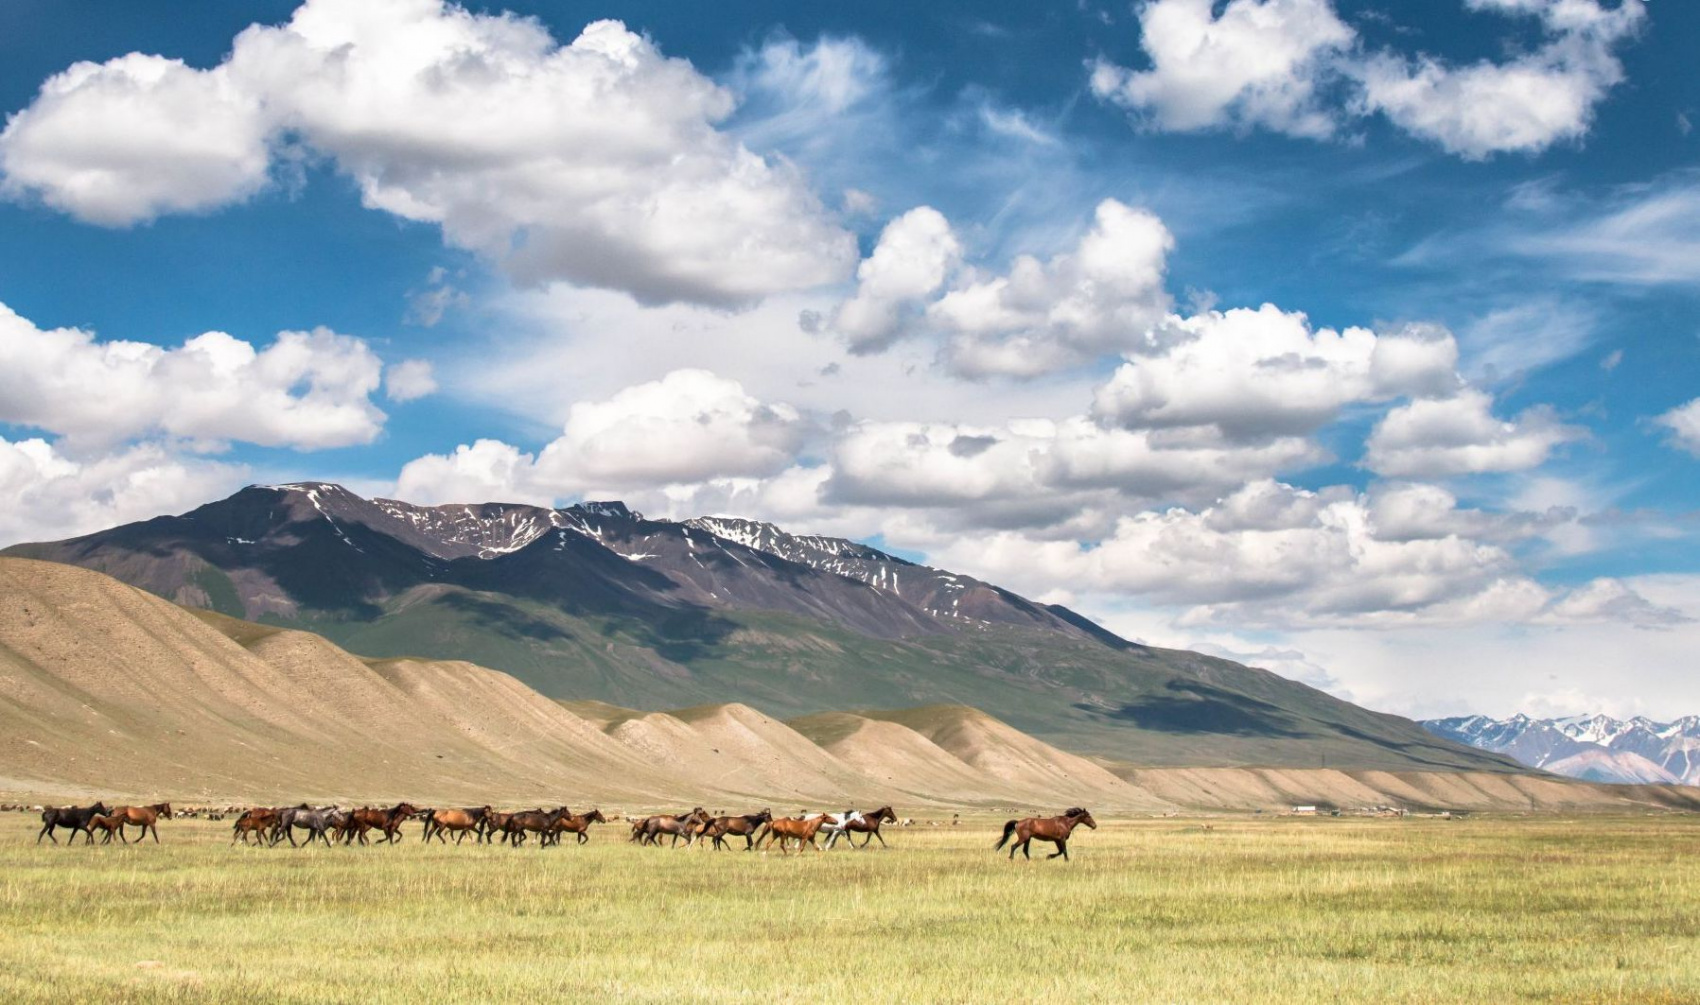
683 825
108 825
745 827
145 817
795 829
865 823
462 822
538 821
367 818
255 823
316 822
72 818
574 823
1053 829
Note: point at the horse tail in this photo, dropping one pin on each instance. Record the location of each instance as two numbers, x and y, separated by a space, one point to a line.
1008 830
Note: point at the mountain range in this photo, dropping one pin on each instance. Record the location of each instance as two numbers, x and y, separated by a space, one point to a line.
110 691
1593 747
595 602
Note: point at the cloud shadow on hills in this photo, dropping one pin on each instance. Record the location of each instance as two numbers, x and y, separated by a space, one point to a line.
1191 707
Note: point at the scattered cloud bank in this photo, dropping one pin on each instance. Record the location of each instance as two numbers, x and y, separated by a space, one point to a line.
1294 67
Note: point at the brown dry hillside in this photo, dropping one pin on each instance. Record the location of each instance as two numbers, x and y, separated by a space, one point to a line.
999 750
734 748
105 689
1009 767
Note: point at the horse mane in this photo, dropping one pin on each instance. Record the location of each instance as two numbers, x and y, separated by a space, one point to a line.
1074 811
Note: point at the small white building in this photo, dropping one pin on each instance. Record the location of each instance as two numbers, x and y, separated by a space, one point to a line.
1304 811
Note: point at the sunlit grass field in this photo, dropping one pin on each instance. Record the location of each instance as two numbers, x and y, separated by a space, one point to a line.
1252 910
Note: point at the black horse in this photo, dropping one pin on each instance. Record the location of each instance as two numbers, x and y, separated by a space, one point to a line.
72 818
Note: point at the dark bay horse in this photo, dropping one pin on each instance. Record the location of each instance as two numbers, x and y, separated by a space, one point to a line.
678 825
72 818
574 823
745 827
368 818
795 829
1053 829
145 817
867 824
539 822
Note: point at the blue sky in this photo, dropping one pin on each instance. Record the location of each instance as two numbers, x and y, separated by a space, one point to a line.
981 283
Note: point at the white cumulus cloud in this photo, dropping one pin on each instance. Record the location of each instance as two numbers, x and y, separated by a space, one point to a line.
1256 63
46 495
1460 435
1255 373
306 390
915 255
1102 297
599 162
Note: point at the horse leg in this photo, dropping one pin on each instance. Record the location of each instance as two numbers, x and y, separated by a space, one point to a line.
1027 849
153 827
874 834
48 830
1062 849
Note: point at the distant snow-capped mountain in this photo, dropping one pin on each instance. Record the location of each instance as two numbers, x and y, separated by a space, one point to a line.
1595 747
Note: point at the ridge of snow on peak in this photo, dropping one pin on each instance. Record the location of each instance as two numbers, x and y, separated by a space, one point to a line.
1594 747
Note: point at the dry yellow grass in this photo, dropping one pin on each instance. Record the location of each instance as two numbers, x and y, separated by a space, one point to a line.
1605 909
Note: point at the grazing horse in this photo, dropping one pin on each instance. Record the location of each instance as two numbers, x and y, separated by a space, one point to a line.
256 823
111 825
576 823
72 818
1053 829
678 825
865 823
316 822
745 827
462 822
145 817
795 829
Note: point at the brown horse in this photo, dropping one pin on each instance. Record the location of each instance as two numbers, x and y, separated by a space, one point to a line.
573 823
145 817
110 825
255 823
792 829
538 822
462 822
1053 829
745 827
867 824
678 825
368 818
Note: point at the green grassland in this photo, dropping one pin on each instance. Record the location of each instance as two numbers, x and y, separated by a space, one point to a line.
1249 910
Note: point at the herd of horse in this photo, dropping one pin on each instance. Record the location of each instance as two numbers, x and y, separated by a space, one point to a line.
271 825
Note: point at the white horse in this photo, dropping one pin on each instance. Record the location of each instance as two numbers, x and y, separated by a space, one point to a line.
836 823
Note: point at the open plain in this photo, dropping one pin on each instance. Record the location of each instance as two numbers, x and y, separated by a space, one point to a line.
1243 909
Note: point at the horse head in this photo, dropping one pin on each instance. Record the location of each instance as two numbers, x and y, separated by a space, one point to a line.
596 816
1080 816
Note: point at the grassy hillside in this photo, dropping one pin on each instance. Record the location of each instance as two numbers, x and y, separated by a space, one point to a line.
1138 705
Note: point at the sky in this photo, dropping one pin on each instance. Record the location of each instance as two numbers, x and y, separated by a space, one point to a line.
1359 341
